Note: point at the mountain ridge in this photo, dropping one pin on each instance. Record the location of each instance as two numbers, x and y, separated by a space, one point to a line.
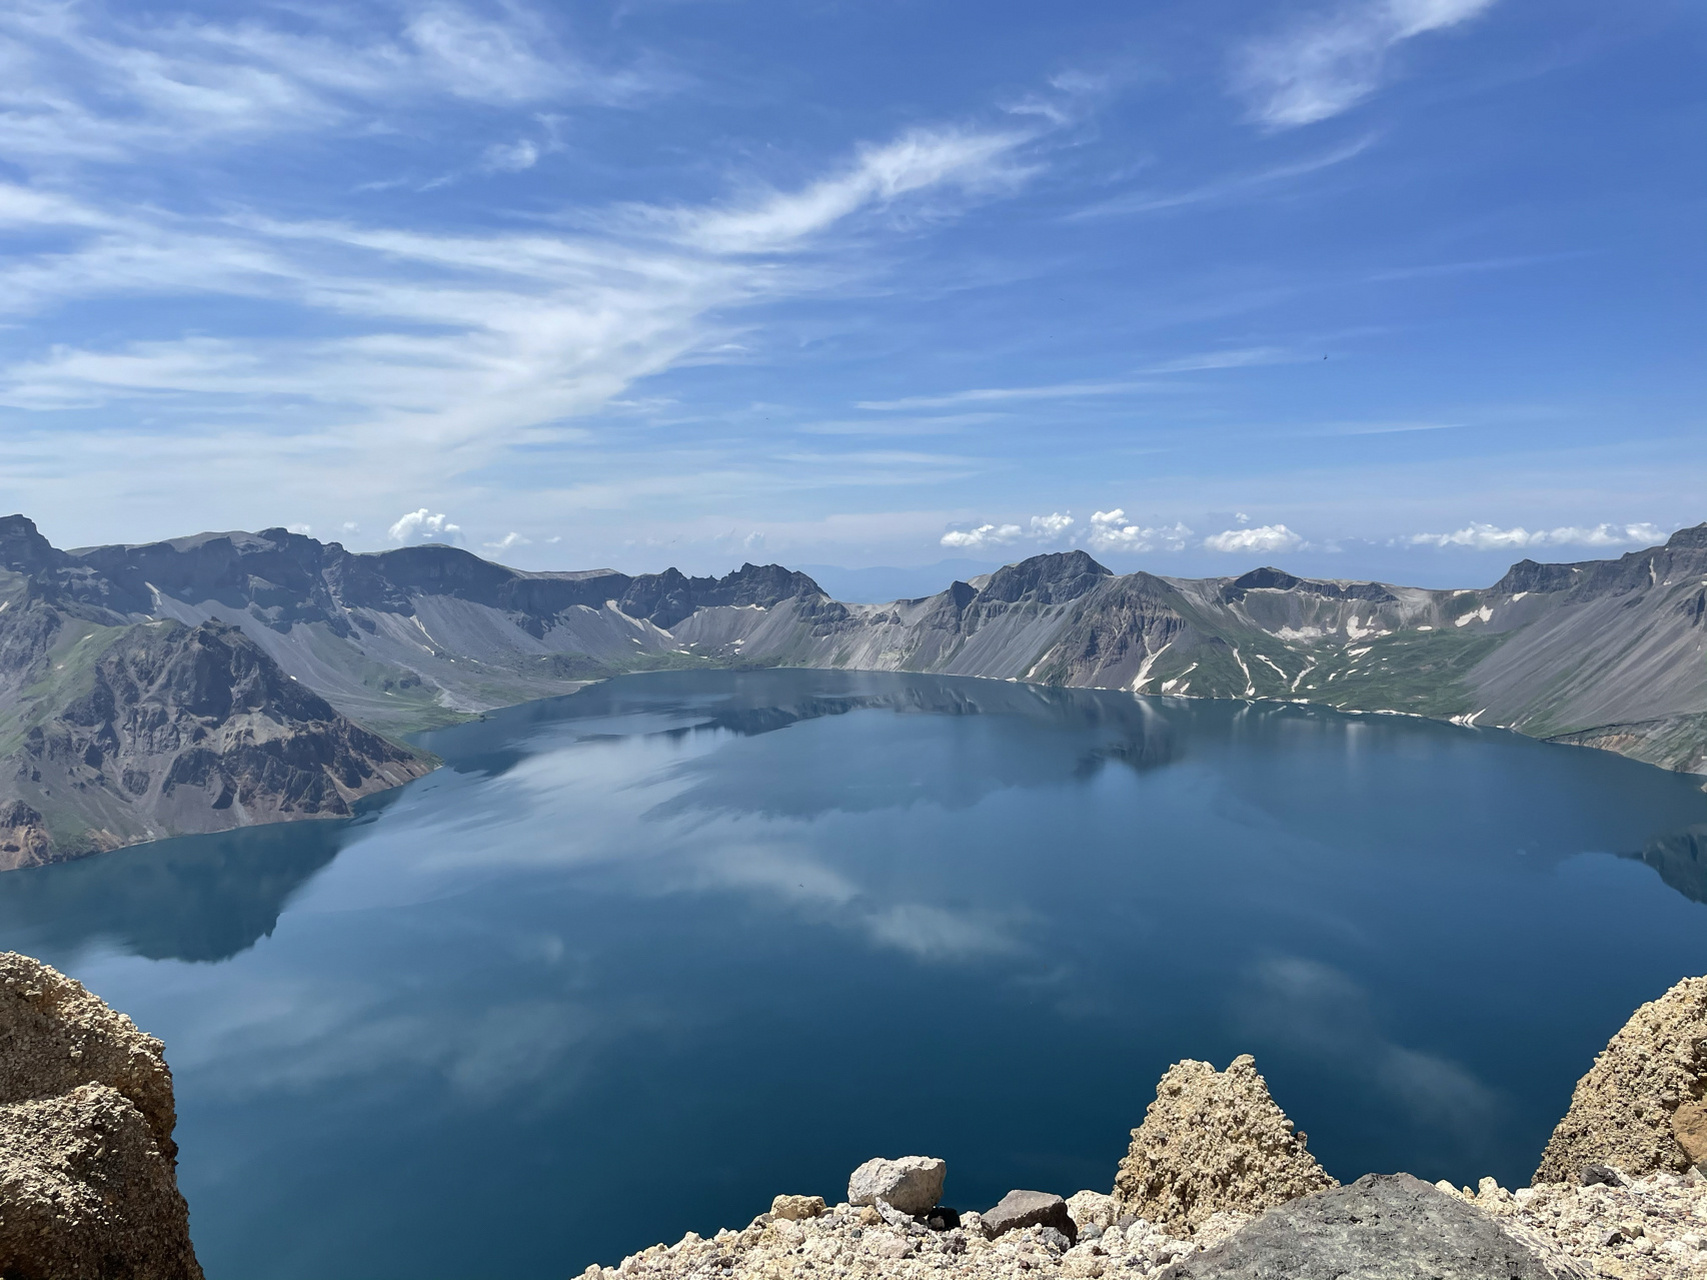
1604 653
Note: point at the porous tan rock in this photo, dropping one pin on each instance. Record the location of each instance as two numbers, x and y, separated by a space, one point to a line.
1213 1141
1639 1107
87 1194
795 1208
1649 1228
55 1035
1092 1209
88 1182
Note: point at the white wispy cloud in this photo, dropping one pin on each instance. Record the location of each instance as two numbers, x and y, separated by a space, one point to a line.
472 342
987 395
1202 361
1110 531
931 425
1239 358
1233 187
509 540
1266 537
971 160
371 347
1487 537
424 526
511 157
76 88
1329 63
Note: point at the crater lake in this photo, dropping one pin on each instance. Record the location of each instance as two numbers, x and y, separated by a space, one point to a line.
638 959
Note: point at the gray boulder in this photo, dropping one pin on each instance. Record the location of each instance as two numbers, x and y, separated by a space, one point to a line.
1381 1227
1030 1209
912 1184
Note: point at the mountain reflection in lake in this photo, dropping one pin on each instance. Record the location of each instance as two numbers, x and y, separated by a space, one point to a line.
640 958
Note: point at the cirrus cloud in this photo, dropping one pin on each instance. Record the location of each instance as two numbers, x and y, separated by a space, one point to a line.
1327 65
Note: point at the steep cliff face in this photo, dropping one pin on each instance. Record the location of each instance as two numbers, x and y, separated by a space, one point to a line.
132 733
88 1181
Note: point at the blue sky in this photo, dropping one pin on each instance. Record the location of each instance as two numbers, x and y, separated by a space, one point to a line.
1398 288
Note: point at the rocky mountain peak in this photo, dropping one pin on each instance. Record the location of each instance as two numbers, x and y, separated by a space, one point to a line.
1047 579
1266 578
1693 538
24 550
1534 577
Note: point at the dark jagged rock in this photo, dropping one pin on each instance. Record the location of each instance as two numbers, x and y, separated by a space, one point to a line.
1020 1209
1272 579
1381 1227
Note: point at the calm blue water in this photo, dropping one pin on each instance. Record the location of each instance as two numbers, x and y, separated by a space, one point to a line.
640 958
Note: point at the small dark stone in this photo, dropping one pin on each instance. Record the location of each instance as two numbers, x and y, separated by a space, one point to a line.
1600 1175
941 1218
1020 1209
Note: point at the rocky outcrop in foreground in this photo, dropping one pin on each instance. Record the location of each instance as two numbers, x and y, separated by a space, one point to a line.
1219 1186
1641 1108
88 1181
1213 1141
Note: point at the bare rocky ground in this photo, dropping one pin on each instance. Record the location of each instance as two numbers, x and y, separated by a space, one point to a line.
1218 1185
1654 1228
1649 1228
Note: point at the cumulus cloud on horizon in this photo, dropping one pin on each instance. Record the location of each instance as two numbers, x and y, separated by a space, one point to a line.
1478 536
1111 532
1107 531
423 526
984 535
1049 528
1266 537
